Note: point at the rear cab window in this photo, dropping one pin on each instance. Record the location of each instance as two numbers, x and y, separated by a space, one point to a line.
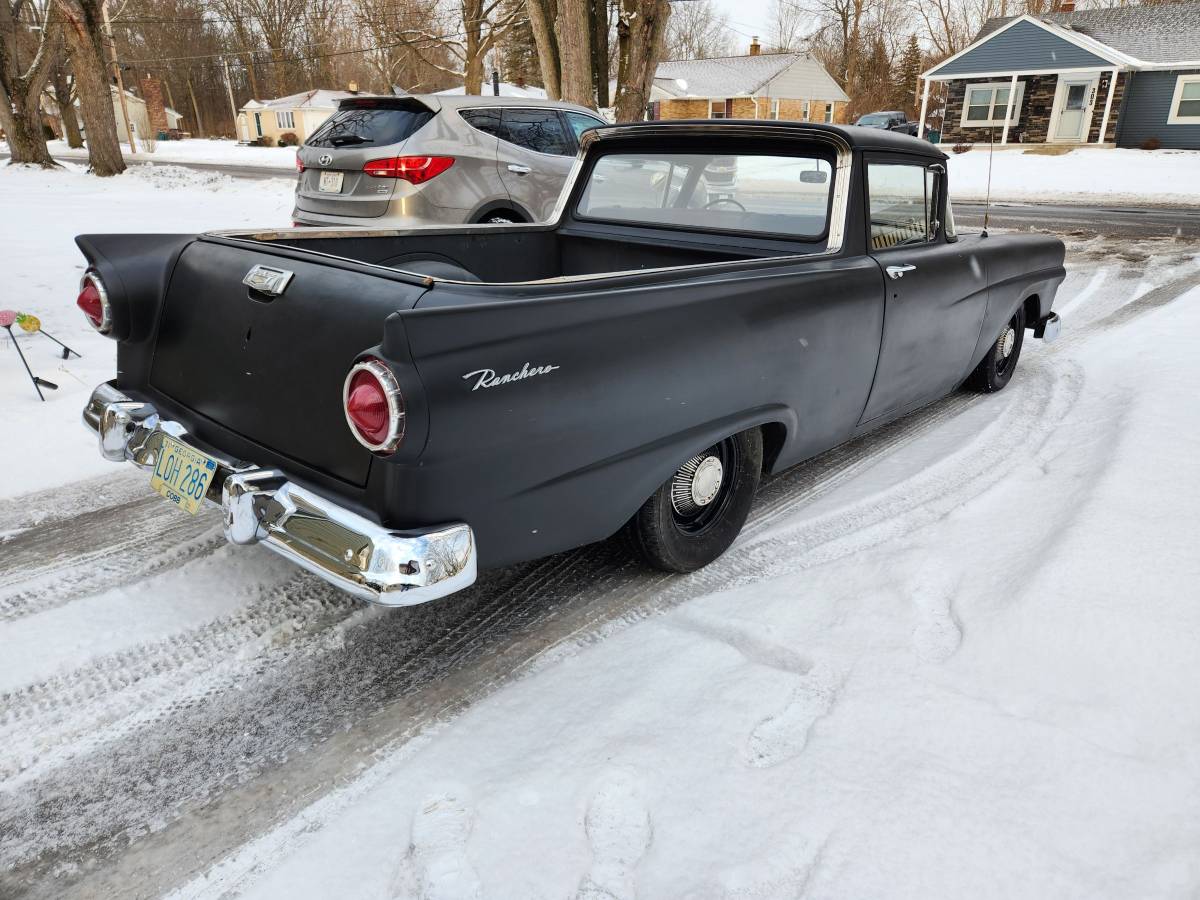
781 196
371 123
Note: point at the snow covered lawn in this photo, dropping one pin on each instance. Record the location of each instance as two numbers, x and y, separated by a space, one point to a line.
202 150
43 211
1085 175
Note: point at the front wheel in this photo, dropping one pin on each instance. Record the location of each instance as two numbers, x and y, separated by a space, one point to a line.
694 517
996 368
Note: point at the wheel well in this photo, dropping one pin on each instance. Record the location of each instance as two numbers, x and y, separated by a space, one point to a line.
1033 310
500 211
774 436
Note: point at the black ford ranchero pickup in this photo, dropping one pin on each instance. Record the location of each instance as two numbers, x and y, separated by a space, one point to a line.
395 409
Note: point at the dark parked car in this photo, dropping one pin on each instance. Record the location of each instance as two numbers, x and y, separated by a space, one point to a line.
393 409
893 120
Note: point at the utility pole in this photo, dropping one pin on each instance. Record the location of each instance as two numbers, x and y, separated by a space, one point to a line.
112 51
229 91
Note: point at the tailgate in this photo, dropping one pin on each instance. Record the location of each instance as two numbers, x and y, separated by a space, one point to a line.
272 369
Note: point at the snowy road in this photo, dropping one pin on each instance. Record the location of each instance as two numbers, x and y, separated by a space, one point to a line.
915 617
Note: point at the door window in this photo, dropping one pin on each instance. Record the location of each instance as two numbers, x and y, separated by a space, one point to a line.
900 204
540 130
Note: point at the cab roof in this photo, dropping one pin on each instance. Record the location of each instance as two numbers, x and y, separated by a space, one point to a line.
857 137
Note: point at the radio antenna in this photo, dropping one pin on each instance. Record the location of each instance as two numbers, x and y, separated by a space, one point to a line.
987 201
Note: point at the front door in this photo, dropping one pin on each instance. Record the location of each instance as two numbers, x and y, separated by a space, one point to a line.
936 292
1074 100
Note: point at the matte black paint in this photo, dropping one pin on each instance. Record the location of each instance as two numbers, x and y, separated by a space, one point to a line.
652 366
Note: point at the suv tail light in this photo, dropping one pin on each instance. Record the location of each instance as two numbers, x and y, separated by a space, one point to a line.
374 405
413 169
299 165
93 300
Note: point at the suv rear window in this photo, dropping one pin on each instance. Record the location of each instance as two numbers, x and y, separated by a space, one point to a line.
779 195
370 125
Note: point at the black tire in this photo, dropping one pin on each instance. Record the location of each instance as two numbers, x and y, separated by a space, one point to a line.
669 534
996 368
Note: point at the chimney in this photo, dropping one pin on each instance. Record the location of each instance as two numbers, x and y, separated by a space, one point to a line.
755 46
156 110
352 87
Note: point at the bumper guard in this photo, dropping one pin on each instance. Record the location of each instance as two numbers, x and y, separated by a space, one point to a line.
381 565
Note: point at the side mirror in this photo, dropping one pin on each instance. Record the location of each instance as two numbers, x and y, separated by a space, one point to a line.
814 176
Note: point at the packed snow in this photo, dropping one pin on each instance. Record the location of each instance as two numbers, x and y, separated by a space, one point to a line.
954 659
1080 175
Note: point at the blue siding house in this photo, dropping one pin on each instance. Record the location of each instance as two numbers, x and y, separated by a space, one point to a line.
1127 77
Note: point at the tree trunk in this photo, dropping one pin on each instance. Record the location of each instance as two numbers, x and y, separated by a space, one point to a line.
472 15
542 14
66 107
85 40
599 18
573 29
640 32
20 93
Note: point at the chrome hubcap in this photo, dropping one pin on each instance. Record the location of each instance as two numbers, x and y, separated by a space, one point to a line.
1008 340
696 484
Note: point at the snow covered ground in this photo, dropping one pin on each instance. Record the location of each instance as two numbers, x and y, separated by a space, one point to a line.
202 150
1085 175
954 658
43 211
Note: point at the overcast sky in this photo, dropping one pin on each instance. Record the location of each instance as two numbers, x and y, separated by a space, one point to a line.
746 18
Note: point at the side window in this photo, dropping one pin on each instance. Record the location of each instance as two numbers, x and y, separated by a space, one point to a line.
900 202
486 120
540 130
580 123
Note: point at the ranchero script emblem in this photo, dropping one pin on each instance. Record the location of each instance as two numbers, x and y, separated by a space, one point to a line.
487 378
325 159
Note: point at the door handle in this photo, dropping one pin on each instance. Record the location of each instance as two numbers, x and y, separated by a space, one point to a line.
898 271
519 170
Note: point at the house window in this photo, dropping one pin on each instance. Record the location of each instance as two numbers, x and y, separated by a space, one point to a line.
720 109
258 123
828 112
804 111
1185 105
984 104
775 108
285 120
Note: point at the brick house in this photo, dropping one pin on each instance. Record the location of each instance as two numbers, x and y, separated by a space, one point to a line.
791 86
1117 77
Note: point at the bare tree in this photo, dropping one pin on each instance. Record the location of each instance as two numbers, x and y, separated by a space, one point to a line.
20 85
641 31
697 30
64 100
789 26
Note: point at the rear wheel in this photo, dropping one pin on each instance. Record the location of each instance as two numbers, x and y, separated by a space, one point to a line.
695 516
995 370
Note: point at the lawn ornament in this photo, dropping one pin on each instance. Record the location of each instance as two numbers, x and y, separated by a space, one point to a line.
7 318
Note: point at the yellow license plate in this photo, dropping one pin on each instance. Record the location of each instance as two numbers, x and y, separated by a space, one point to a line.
182 474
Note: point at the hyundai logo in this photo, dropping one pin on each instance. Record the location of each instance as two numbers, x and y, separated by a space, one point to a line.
325 159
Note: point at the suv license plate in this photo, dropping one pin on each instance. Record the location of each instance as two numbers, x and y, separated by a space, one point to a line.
182 474
331 182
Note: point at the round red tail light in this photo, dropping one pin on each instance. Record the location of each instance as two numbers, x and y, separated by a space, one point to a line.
374 405
93 300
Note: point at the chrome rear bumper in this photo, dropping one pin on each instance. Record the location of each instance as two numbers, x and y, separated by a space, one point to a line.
381 565
1048 328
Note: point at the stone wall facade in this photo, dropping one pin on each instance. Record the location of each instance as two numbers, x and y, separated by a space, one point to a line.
1037 106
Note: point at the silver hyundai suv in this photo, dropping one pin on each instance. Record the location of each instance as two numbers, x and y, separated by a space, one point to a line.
438 159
